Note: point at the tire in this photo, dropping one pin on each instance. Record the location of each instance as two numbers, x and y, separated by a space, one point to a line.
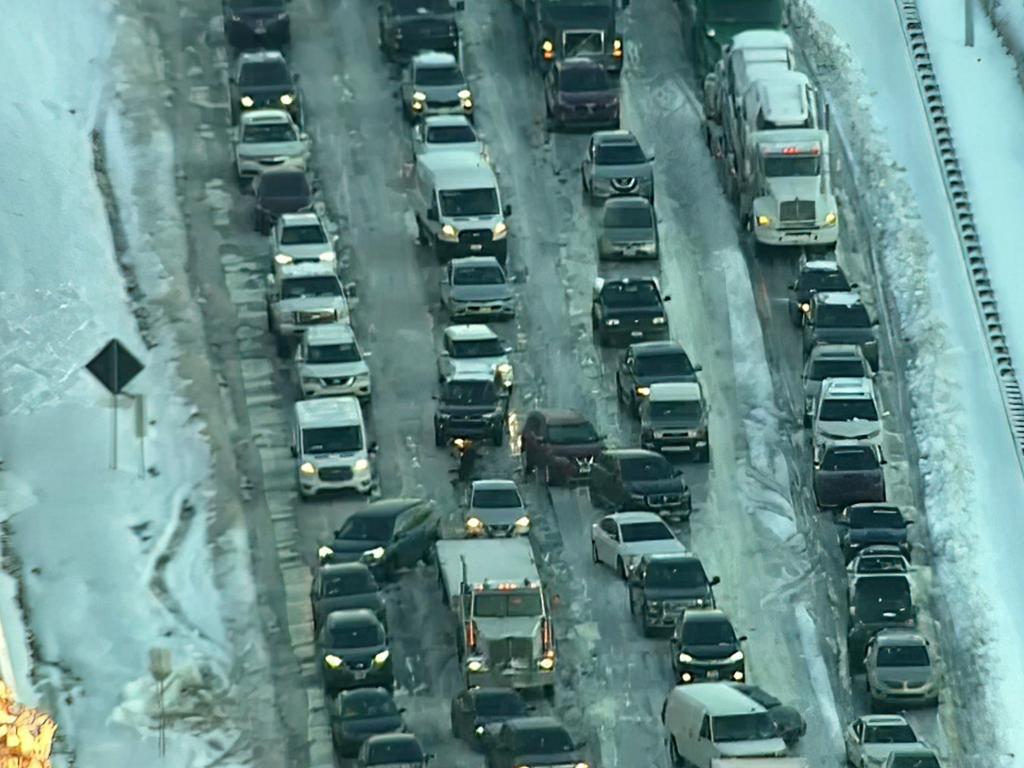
673 752
282 346
620 568
549 692
438 438
593 551
498 438
527 466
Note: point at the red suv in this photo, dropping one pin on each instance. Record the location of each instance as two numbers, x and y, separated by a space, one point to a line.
559 444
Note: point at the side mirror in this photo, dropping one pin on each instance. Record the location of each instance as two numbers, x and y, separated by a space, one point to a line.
741 639
698 368
507 210
715 581
874 323
666 298
460 5
792 286
232 79
401 710
296 77
432 215
294 451
371 448
351 290
304 136
855 285
650 158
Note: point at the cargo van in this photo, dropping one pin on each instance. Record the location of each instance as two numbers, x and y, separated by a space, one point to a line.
706 722
458 206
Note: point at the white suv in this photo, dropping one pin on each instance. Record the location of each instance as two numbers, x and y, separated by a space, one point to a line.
847 409
328 362
329 445
268 138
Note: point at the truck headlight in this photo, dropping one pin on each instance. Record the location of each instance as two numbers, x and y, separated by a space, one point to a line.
764 221
500 230
307 468
448 232
247 101
465 94
612 322
332 661
283 258
474 525
523 524
685 658
381 658
327 256
361 465
738 656
831 218
547 663
287 99
479 730
419 96
505 371
325 552
476 665
373 554
660 320
643 391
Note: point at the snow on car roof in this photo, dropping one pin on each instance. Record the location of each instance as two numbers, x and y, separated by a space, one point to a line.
762 38
627 518
475 332
434 59
330 333
838 298
265 117
299 219
670 392
615 137
340 410
250 57
307 269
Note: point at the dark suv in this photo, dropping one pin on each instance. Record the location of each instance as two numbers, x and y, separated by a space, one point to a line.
278 192
651 362
628 310
559 444
814 277
866 525
470 405
578 93
705 647
342 586
256 23
661 587
408 27
838 317
848 472
876 603
386 535
533 741
354 653
637 480
263 80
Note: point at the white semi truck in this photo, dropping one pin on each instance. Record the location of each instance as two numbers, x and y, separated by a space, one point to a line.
505 636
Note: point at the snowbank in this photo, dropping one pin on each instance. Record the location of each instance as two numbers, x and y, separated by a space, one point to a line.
1007 16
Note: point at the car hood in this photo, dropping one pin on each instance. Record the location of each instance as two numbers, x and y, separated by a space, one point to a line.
562 758
496 629
471 365
370 725
306 252
658 424
629 235
659 378
634 170
587 97
335 370
440 92
481 292
371 600
344 547
877 535
915 676
710 652
637 549
271 149
578 450
314 304
844 335
752 748
796 188
677 593
656 487
499 515
849 430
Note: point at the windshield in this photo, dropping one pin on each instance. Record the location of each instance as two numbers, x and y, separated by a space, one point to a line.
849 460
333 353
367 528
304 234
653 531
351 634
284 185
685 410
399 751
450 134
903 656
369 706
837 369
628 216
708 633
619 154
469 393
889 734
493 704
332 439
299 287
477 275
671 363
852 409
688 574
913 761
882 564
265 73
478 348
787 166
865 517
245 5
469 202
421 7
633 294
754 14
439 76
646 468
496 498
497 605
749 727
543 741
571 434
342 584
581 80
271 132
842 316
821 280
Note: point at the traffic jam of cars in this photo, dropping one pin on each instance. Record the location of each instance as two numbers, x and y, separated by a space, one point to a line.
767 131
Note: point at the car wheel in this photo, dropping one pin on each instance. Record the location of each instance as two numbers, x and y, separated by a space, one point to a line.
498 438
438 438
549 692
283 345
593 551
527 466
673 752
621 568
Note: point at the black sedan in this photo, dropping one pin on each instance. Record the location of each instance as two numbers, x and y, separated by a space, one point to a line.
360 713
353 651
533 741
392 750
277 192
343 586
477 713
705 647
257 23
637 480
263 80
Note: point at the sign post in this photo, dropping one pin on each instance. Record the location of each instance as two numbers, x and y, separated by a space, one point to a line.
969 23
140 432
114 366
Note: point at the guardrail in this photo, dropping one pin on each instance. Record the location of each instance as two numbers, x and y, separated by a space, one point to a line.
963 217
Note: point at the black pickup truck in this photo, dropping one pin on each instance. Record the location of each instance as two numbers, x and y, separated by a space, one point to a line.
663 586
409 27
628 310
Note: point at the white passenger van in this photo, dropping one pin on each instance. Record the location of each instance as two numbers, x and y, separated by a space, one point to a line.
329 445
705 722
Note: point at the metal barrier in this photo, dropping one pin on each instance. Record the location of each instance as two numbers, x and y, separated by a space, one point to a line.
963 217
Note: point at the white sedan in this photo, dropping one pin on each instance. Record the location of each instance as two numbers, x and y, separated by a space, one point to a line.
872 738
446 133
621 539
268 138
300 237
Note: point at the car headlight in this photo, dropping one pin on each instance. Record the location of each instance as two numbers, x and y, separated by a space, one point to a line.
831 218
654 605
247 101
479 730
500 230
738 656
764 221
611 321
374 554
419 96
523 524
738 676
327 256
805 307
660 320
582 765
361 465
547 46
474 524
643 391
685 658
381 658
283 258
504 370
546 663
332 661
476 665
465 94
449 232
325 552
287 99
307 468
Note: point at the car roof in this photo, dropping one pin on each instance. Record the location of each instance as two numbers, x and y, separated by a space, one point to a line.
838 298
721 698
351 616
562 416
627 201
669 391
253 57
644 348
633 453
837 351
330 333
434 59
894 636
307 269
884 720
389 507
626 518
462 169
475 261
620 136
392 738
299 219
821 265
762 38
526 723
848 388
341 410
266 117
671 557
705 615
447 120
471 375
365 693
494 485
343 569
470 332
579 62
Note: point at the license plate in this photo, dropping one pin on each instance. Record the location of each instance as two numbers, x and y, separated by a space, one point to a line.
260 28
629 251
636 334
360 674
476 247
712 674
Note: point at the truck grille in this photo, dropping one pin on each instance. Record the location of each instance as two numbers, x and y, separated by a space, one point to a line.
472 236
508 649
665 500
344 382
336 474
796 211
310 318
625 184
